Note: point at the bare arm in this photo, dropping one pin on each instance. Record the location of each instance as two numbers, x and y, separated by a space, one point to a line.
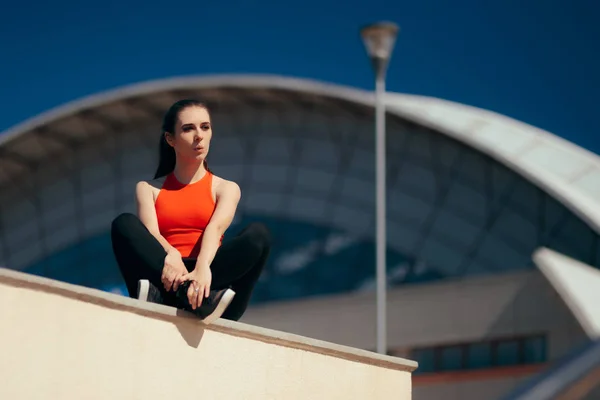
147 214
228 196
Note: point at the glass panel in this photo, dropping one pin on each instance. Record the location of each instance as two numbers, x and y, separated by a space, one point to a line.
534 350
452 358
426 360
507 353
479 355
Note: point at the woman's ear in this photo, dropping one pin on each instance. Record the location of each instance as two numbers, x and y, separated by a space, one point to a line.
169 139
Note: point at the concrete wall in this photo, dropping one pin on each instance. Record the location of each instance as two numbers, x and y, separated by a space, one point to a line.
434 314
61 341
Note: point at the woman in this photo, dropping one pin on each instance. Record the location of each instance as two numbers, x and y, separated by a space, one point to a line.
172 251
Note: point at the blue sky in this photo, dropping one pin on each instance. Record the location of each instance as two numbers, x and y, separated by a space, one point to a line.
534 60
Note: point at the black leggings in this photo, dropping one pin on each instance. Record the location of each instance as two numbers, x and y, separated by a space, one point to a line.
238 262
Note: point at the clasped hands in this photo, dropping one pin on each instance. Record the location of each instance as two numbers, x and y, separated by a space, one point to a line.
174 273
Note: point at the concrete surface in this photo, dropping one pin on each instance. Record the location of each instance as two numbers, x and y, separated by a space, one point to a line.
69 342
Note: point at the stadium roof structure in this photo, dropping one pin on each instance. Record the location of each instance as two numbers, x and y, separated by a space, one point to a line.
551 166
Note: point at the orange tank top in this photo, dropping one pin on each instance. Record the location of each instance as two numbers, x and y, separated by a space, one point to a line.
184 211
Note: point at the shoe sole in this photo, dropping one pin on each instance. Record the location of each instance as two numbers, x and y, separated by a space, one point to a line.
143 290
223 304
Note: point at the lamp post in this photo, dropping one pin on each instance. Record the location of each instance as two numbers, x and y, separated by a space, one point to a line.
379 40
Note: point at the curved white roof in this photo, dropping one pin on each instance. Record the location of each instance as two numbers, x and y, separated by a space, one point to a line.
577 283
569 173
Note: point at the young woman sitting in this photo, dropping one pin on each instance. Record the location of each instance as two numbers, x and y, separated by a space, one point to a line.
173 252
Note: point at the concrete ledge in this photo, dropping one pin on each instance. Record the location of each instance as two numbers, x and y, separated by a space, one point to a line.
237 329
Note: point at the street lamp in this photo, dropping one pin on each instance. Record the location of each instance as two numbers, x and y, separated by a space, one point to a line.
379 40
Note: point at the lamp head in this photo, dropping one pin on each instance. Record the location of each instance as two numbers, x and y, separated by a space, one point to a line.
379 40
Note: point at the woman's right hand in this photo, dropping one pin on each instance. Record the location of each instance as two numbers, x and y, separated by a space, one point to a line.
173 270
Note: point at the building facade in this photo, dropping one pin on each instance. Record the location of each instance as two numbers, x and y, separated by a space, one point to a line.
471 196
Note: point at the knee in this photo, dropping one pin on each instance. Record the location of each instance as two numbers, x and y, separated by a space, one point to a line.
123 223
259 236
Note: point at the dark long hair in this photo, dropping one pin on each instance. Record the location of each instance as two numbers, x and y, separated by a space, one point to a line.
166 153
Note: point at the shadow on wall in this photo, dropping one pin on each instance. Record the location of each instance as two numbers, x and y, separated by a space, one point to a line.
535 306
191 333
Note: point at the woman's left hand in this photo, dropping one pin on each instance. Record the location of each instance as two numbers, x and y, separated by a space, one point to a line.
201 278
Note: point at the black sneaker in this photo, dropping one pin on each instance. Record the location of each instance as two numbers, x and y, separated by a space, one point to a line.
149 293
212 307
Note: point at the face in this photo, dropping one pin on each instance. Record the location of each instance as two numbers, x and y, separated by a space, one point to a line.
193 131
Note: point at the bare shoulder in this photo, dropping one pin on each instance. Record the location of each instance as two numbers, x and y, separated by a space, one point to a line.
224 187
147 188
142 188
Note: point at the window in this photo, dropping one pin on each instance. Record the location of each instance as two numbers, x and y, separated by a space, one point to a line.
451 358
507 352
480 355
534 350
426 359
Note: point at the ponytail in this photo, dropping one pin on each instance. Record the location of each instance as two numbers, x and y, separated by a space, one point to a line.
166 158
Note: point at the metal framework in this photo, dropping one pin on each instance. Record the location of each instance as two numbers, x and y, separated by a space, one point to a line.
450 205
